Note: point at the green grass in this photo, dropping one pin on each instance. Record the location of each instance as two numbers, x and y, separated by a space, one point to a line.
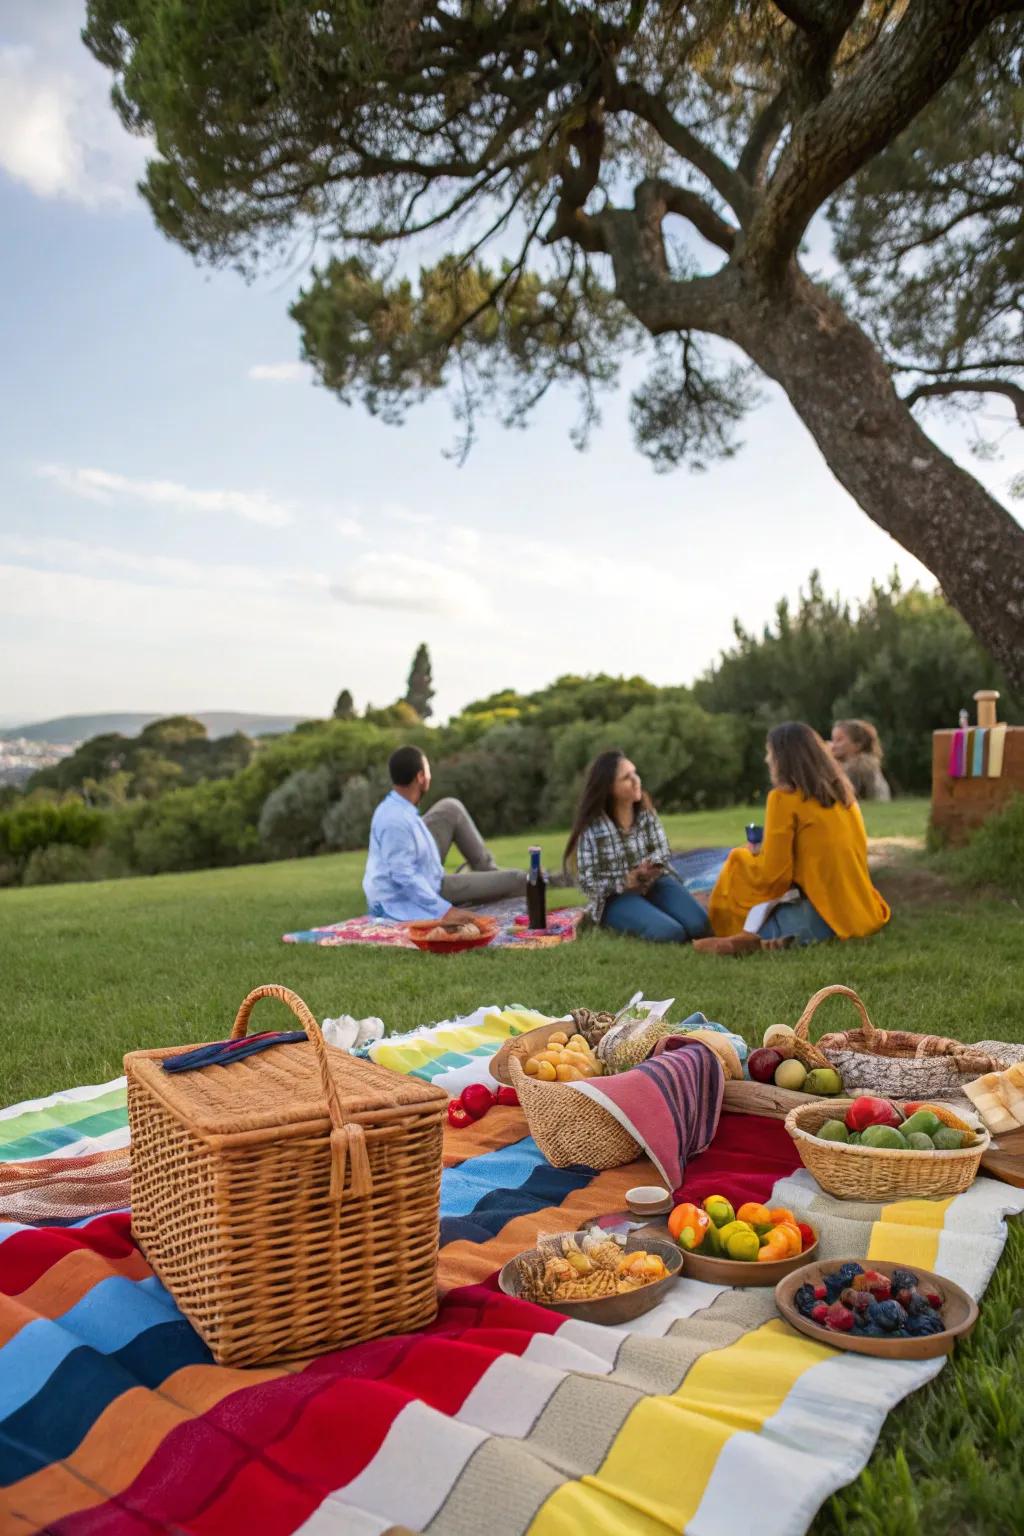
90 971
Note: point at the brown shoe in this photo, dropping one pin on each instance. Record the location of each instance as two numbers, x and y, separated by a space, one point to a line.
740 944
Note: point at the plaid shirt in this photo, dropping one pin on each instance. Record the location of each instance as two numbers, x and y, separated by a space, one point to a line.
605 855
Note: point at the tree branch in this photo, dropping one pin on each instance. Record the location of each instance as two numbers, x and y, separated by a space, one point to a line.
1013 392
764 136
888 85
728 183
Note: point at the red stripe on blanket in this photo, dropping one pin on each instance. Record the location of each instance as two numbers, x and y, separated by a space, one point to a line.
749 1153
26 1256
281 1447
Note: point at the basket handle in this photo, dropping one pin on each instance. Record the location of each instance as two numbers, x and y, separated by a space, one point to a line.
802 1026
348 1141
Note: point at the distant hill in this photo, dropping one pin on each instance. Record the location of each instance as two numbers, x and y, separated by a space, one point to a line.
69 729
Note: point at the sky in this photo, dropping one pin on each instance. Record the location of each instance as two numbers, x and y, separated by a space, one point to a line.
189 522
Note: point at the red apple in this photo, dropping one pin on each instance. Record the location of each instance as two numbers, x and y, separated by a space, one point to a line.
761 1064
867 1111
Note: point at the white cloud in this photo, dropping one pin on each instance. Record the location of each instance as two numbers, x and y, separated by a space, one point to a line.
76 557
280 373
59 135
407 516
404 582
102 485
349 528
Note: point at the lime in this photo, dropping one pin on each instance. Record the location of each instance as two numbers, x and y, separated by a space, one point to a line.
742 1244
918 1141
947 1139
834 1130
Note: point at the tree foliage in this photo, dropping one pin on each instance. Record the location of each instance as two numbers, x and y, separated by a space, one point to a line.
606 175
420 688
344 706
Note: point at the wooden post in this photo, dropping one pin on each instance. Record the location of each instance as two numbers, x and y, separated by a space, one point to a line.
985 698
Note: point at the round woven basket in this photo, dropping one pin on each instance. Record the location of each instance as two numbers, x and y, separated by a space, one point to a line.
878 1173
569 1127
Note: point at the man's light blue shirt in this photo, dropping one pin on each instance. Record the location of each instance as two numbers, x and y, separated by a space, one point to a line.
403 869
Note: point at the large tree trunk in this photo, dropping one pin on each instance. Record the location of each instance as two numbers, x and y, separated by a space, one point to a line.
840 387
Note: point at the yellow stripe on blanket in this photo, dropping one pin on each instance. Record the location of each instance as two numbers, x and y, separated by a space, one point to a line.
657 1469
412 1052
907 1232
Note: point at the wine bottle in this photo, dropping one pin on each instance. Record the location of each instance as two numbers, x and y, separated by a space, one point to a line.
536 893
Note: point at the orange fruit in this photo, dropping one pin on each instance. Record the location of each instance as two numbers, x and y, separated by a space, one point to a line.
791 1232
779 1213
756 1215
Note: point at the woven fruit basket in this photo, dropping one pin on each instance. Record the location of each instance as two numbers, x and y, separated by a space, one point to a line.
289 1200
569 1127
879 1173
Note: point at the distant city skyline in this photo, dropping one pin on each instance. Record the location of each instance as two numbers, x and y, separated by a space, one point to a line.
188 522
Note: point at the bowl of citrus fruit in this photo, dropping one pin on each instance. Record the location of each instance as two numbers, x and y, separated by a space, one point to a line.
754 1245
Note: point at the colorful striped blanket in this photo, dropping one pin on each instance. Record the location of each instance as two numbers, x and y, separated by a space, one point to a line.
113 1420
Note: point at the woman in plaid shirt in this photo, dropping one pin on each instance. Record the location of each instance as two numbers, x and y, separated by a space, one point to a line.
621 855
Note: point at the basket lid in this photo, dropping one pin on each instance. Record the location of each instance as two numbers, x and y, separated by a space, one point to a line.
279 1087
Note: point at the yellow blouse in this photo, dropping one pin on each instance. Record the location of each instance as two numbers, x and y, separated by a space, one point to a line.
824 852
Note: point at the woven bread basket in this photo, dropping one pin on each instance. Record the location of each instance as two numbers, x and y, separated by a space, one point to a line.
878 1173
288 1201
569 1127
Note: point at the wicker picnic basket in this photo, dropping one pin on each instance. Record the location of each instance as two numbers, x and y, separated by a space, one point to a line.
569 1127
892 1063
878 1173
289 1201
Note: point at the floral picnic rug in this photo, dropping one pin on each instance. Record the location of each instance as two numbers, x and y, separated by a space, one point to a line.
114 1420
698 869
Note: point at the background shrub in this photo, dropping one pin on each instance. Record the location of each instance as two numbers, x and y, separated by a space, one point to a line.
291 820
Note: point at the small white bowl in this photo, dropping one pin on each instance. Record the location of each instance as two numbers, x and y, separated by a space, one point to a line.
648 1200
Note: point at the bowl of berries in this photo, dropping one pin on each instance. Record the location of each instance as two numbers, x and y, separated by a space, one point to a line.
877 1309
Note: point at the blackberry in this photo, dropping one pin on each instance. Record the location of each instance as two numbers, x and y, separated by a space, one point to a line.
917 1306
804 1300
847 1272
889 1315
903 1280
924 1324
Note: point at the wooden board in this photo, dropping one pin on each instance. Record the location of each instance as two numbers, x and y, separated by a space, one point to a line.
1006 1161
749 1098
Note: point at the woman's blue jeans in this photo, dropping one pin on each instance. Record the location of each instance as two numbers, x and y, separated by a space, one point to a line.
798 918
668 914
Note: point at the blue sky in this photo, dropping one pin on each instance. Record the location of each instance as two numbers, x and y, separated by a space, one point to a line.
187 522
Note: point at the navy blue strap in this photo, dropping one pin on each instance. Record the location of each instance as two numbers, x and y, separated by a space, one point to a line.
223 1052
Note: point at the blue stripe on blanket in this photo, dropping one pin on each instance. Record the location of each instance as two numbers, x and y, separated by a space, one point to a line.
56 1419
545 1186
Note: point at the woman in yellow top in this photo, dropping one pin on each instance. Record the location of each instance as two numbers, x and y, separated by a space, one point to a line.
814 839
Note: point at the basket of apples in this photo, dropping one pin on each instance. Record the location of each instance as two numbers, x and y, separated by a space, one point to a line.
875 1149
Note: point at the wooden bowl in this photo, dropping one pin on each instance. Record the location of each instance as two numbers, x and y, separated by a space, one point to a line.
607 1310
455 945
739 1272
960 1313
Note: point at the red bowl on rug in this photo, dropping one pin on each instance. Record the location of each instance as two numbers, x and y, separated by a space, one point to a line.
456 941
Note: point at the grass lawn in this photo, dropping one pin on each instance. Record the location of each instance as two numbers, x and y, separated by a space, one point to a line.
90 971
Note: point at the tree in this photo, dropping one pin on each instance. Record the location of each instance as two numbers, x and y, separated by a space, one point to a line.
419 691
344 706
642 171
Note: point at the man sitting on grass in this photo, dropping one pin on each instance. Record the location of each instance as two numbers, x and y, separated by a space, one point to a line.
405 877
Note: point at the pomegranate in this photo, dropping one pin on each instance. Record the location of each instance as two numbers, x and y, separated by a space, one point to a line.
867 1111
762 1064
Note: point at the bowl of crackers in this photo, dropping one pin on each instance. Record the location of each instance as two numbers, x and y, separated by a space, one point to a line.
595 1276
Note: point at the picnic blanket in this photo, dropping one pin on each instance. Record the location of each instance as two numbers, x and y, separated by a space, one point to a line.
561 929
114 1420
698 869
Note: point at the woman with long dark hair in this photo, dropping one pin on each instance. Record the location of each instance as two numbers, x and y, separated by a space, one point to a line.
621 857
814 841
858 751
